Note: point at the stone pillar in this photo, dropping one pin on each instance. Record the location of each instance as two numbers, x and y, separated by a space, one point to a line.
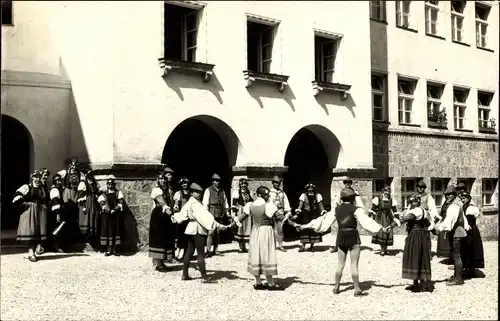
136 182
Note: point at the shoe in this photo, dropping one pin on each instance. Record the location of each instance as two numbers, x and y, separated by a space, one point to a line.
39 250
208 255
207 279
302 249
186 278
275 288
360 293
416 289
107 254
281 248
334 249
32 258
336 291
259 287
115 254
454 282
412 287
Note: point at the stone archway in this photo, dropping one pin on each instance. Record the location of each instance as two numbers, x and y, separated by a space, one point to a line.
17 163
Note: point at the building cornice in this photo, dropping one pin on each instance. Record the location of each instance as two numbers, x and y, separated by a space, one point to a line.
33 79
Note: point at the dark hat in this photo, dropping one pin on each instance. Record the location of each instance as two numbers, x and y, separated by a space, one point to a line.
386 188
184 179
276 179
168 170
450 190
310 185
346 192
465 194
421 183
36 173
195 187
216 177
347 180
243 179
159 174
461 186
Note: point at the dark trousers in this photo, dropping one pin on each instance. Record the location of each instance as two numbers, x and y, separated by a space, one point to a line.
456 254
195 242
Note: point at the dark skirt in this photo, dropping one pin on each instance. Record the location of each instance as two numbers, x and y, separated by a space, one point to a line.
181 235
347 238
161 235
382 238
89 220
32 228
472 251
308 236
110 229
417 256
443 246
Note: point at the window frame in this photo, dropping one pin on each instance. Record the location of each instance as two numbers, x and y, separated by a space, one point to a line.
378 7
439 194
10 8
185 35
319 58
457 106
406 194
383 93
264 65
488 192
403 18
434 101
481 38
457 34
405 98
483 123
431 8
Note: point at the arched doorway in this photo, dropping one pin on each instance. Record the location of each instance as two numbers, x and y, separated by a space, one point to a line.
17 155
311 154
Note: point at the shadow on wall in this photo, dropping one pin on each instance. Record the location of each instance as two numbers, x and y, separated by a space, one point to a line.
178 79
258 90
333 100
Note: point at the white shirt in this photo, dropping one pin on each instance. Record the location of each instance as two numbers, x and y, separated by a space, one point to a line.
451 218
270 210
206 199
274 197
200 219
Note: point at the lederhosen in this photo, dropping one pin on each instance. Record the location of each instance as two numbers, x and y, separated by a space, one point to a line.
385 218
473 251
310 211
347 235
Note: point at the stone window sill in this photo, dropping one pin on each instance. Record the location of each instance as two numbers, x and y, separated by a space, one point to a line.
407 29
489 210
463 130
435 36
487 130
409 125
461 43
438 125
167 65
254 76
485 49
319 86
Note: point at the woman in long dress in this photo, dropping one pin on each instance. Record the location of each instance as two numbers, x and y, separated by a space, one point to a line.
384 210
347 216
310 207
32 229
262 254
90 213
111 202
240 198
473 251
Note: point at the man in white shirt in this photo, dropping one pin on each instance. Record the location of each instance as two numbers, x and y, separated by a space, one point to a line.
279 198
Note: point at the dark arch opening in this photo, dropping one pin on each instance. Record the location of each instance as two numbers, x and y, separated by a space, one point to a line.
17 155
311 154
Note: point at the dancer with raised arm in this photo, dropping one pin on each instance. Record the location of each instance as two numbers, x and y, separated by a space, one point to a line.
347 215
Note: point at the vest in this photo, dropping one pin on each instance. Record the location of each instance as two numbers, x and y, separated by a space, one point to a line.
344 213
259 217
310 203
168 196
215 201
244 197
35 195
458 229
384 205
424 201
417 224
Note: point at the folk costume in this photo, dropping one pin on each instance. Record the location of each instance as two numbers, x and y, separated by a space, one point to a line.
473 251
278 197
180 199
56 212
262 255
72 207
347 216
90 212
310 208
384 209
455 225
240 198
161 238
215 201
32 228
443 244
200 222
111 202
76 173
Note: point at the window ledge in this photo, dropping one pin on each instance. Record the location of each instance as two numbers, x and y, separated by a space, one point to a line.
409 125
319 86
7 25
461 43
463 130
435 124
489 209
382 122
167 65
407 29
435 36
487 130
253 76
485 49
379 21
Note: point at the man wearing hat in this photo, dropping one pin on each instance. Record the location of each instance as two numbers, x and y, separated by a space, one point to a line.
278 197
454 226
215 201
461 188
357 202
427 202
200 223
472 251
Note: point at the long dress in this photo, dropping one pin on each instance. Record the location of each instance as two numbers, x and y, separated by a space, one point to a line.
417 254
71 213
443 244
110 223
32 228
180 199
473 251
384 208
240 199
262 253
161 238
89 215
312 207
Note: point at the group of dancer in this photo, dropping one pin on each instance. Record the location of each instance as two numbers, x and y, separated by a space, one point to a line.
190 219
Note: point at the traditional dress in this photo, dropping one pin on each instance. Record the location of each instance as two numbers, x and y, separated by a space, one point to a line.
384 209
72 210
473 252
443 244
278 197
262 253
240 198
32 228
180 199
111 202
56 209
161 227
310 208
357 202
90 212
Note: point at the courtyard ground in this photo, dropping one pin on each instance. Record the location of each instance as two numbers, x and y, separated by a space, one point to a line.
89 286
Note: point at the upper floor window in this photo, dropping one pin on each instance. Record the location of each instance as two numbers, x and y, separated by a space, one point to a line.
435 111
403 14
408 188
438 186
488 190
377 10
482 14
260 40
457 20
484 109
406 89
431 17
459 107
379 97
181 32
325 52
7 13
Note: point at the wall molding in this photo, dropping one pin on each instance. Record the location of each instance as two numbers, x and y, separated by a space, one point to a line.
33 79
434 133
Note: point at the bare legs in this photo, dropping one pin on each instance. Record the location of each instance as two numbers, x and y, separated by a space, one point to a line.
354 257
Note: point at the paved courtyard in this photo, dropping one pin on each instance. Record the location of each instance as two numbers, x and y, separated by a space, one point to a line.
89 286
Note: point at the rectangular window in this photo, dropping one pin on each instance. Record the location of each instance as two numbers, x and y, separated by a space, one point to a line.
379 97
457 20
403 14
181 32
408 188
260 40
435 112
7 13
406 89
431 17
438 186
488 190
325 50
484 109
377 10
459 107
482 14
